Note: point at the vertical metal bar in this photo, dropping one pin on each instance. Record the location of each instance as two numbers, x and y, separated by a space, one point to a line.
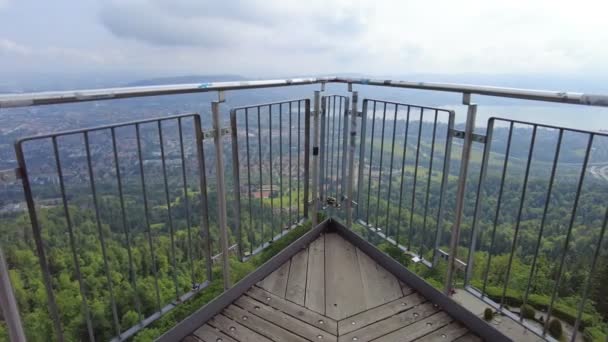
147 214
390 174
498 203
186 199
307 160
403 159
519 213
478 202
328 141
281 221
44 266
371 162
100 231
462 180
322 155
221 193
271 218
200 153
428 186
261 177
412 232
251 232
351 161
338 182
380 168
169 213
298 162
315 156
132 273
332 99
545 211
290 166
236 181
444 182
596 255
76 259
343 177
361 156
569 234
9 307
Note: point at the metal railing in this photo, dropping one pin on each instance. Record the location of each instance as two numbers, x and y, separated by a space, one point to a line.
402 162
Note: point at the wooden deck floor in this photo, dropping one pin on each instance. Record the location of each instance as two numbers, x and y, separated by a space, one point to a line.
331 291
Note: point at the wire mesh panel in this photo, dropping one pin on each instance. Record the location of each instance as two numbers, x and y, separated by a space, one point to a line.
134 193
270 156
540 218
402 173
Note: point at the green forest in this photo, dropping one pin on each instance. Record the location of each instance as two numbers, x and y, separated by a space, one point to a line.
131 266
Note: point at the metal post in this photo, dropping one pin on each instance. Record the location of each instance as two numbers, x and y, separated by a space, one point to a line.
343 175
322 154
221 192
462 180
351 162
8 304
315 158
236 180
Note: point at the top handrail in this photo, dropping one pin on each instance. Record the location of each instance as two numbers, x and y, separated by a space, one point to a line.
73 96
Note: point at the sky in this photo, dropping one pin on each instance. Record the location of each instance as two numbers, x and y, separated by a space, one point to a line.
264 38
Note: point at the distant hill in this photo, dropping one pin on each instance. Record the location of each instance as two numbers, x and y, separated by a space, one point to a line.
186 79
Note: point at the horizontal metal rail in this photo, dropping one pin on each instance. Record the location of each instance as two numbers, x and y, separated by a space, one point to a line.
72 96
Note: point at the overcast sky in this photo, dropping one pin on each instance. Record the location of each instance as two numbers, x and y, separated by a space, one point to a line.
284 37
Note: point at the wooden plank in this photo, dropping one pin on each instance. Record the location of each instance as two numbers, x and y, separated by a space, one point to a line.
470 337
379 286
236 330
379 313
418 329
450 332
283 320
259 325
296 282
345 295
294 310
208 333
315 284
276 282
390 324
405 289
191 338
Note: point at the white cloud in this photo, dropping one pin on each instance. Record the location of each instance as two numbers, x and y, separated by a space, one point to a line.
262 37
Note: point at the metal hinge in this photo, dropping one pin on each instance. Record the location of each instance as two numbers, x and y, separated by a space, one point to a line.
480 138
10 175
350 112
210 134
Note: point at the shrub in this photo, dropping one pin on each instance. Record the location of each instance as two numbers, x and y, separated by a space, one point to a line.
488 314
555 328
527 311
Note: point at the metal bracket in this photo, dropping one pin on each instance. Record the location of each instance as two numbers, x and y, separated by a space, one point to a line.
210 134
221 97
461 265
359 114
10 175
480 138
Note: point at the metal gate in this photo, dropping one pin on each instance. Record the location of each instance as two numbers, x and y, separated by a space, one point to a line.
144 163
270 194
403 146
